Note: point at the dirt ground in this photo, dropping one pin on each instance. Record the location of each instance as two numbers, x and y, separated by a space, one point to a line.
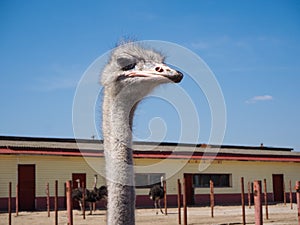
225 215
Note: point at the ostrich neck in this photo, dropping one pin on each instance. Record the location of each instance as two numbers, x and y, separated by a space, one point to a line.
117 124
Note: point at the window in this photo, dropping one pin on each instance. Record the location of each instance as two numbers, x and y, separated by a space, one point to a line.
220 180
146 180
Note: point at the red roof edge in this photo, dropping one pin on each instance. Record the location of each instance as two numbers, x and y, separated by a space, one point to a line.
155 155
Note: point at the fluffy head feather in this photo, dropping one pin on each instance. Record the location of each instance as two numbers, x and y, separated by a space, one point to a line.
137 68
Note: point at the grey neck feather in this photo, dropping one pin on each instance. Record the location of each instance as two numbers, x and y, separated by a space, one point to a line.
117 124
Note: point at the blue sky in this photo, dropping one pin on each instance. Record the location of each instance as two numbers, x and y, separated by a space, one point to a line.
252 47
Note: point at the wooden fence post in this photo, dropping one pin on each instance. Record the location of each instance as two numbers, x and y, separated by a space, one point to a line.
298 199
17 199
212 197
184 203
48 199
69 202
284 193
249 194
179 200
56 203
266 198
243 200
291 194
9 203
257 202
83 198
165 197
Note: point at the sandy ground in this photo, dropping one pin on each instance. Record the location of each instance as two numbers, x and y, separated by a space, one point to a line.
278 214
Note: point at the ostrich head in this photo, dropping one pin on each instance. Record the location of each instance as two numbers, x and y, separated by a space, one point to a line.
135 71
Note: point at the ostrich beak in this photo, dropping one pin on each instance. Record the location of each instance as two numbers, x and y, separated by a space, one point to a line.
160 70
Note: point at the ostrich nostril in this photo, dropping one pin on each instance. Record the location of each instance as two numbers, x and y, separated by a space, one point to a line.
159 69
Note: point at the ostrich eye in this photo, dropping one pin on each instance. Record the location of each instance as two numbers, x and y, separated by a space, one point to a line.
126 63
129 67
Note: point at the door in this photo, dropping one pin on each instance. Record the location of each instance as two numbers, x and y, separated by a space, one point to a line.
26 191
189 189
77 180
278 187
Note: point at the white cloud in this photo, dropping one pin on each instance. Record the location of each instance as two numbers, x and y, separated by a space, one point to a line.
260 98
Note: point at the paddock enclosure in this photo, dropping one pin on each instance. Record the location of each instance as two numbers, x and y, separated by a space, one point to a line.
279 215
30 163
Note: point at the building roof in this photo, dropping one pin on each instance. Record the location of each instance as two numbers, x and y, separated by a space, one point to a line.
94 148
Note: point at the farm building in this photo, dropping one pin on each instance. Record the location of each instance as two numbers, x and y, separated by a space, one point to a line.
33 162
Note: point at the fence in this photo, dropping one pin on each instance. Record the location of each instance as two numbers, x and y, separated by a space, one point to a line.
259 194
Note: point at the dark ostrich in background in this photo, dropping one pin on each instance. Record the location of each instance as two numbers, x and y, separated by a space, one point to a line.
156 193
101 192
90 196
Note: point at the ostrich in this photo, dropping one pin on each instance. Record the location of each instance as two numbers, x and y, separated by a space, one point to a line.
131 73
77 193
89 196
156 193
101 192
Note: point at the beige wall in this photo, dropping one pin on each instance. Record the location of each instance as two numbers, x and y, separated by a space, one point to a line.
48 169
249 170
8 172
